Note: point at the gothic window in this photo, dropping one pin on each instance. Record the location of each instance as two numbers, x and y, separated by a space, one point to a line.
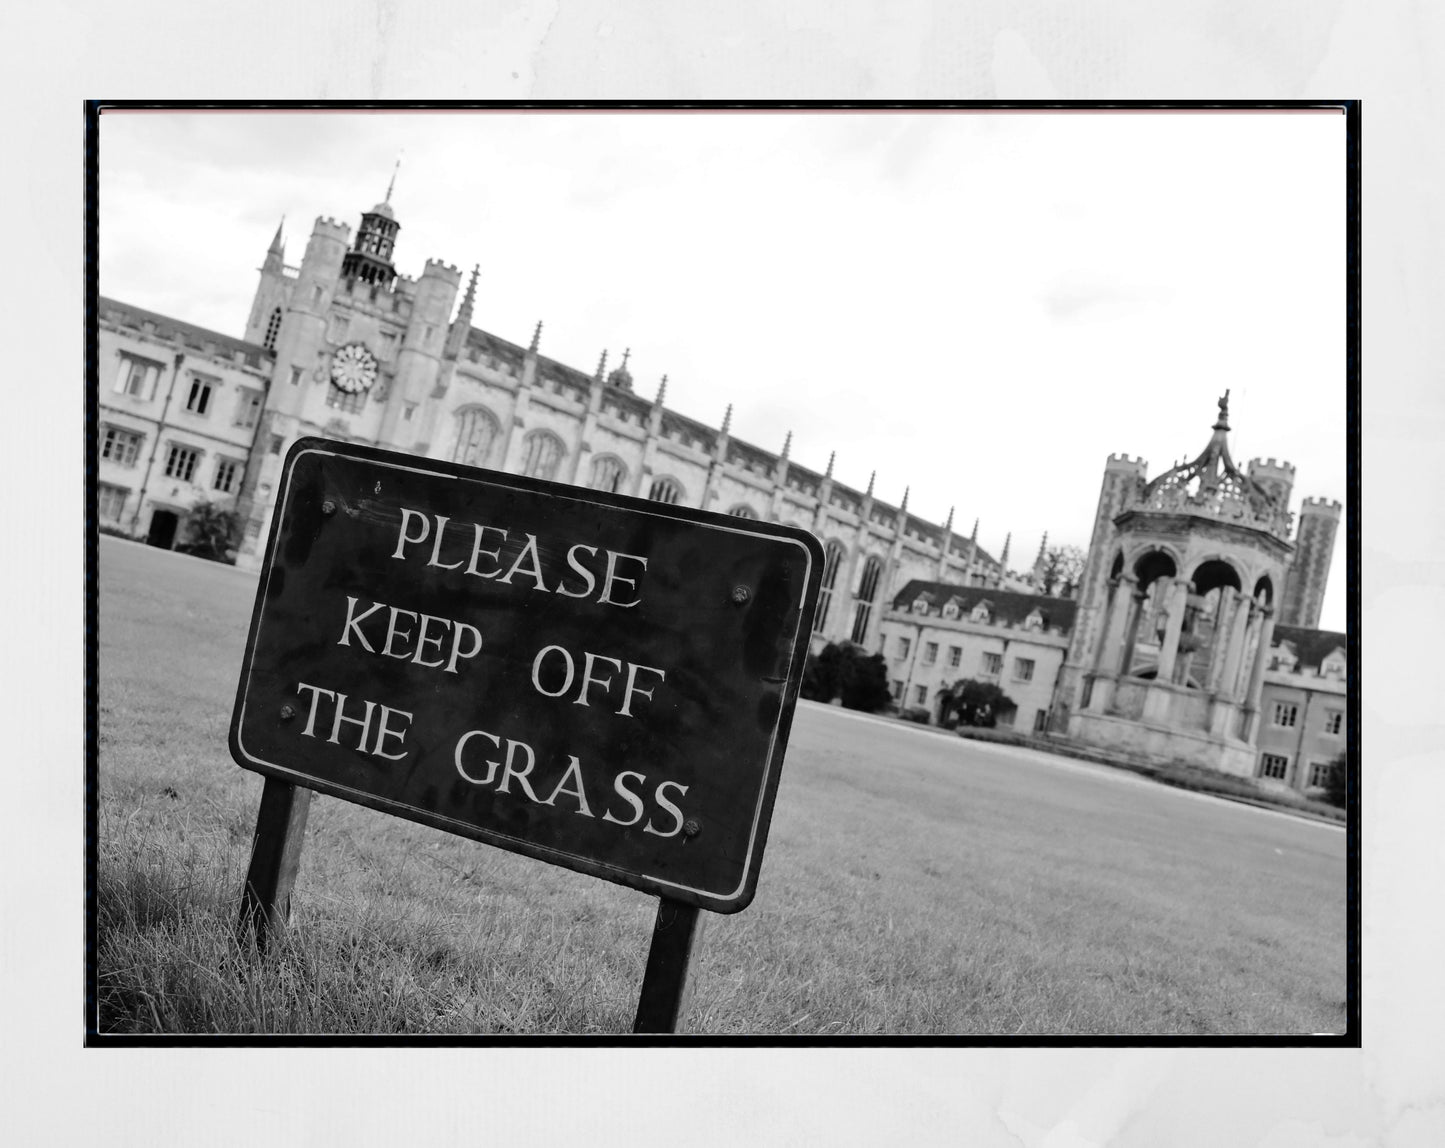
228 474
608 473
198 402
905 647
542 453
181 462
110 501
665 489
955 655
120 446
273 328
1320 773
1334 720
1285 714
347 402
992 665
867 590
476 431
930 653
1273 765
832 558
137 377
1024 669
248 408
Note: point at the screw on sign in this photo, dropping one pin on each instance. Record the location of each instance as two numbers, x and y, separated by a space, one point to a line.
591 680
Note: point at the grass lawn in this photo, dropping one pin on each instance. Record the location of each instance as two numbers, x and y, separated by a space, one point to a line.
912 884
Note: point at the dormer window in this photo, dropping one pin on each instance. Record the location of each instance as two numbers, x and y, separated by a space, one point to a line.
1333 667
920 605
1035 621
983 612
950 608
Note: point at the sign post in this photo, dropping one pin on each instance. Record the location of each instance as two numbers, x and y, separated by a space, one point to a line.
591 680
275 860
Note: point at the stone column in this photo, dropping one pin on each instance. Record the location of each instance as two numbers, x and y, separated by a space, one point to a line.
1131 632
1234 648
1169 650
1116 612
1256 677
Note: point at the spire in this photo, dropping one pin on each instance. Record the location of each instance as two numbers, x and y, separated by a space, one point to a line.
974 536
1043 547
622 377
457 334
904 508
1003 558
661 392
602 366
787 444
1223 421
871 477
536 337
392 185
831 458
727 419
464 314
948 525
276 253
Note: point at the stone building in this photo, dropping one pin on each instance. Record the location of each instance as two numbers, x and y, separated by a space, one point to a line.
1303 710
935 634
365 354
1178 603
178 411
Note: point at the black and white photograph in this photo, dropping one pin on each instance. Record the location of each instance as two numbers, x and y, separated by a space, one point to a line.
787 574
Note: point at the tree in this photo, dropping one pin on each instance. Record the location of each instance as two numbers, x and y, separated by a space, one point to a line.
976 703
846 671
1336 781
212 531
1063 567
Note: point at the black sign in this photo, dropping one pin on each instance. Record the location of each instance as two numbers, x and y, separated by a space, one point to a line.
593 680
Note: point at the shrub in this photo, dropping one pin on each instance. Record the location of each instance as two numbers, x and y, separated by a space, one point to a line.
1336 781
212 530
976 703
843 670
918 714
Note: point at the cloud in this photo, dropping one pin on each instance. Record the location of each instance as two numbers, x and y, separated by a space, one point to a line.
1072 296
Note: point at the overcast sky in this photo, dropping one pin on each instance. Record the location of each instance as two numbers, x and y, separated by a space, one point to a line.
981 307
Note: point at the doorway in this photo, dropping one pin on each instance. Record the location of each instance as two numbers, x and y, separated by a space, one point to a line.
163 529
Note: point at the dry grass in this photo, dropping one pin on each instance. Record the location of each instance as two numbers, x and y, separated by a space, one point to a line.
912 885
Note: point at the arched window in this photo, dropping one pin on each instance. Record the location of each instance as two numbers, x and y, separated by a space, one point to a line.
273 327
867 590
542 453
832 559
476 431
665 489
743 510
608 473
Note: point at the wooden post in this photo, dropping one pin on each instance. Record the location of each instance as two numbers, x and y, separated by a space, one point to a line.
666 985
275 860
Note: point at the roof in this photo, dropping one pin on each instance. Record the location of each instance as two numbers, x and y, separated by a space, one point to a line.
168 328
1006 605
1311 647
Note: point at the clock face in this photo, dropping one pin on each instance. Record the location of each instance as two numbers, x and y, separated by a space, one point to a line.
353 369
